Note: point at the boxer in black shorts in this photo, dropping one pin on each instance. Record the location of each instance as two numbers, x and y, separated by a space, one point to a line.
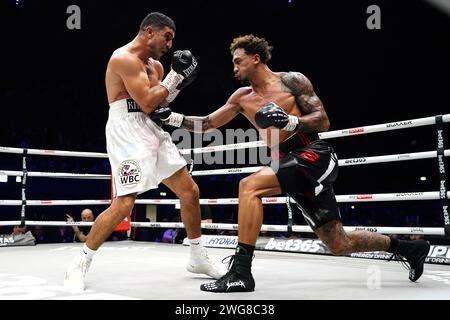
303 165
307 173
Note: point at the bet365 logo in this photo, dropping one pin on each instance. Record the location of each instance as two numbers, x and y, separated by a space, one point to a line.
129 172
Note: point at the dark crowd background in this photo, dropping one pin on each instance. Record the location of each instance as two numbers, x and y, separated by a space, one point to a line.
53 96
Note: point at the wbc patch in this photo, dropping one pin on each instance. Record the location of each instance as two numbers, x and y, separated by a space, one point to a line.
129 173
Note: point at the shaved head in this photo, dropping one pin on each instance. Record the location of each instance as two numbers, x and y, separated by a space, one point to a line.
87 215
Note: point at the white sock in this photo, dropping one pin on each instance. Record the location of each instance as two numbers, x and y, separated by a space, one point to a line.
89 253
195 244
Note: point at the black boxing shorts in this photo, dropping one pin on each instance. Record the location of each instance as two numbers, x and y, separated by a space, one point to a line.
306 172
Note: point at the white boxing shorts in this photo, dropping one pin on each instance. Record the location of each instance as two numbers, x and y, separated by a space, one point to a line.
140 152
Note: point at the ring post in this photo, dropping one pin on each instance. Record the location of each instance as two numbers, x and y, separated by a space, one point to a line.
443 186
24 186
191 163
288 205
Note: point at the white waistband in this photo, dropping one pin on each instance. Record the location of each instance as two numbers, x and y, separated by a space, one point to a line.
121 107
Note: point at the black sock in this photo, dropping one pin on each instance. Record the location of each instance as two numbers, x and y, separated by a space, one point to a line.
394 245
245 249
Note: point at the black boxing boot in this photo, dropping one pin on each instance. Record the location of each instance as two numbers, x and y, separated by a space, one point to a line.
238 278
414 252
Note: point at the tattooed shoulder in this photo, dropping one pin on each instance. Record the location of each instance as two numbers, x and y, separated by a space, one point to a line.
296 83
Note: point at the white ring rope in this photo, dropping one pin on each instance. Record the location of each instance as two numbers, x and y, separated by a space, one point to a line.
254 144
391 158
41 152
383 127
226 171
56 175
405 196
342 163
229 226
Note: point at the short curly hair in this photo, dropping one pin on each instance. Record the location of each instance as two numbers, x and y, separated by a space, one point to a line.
253 45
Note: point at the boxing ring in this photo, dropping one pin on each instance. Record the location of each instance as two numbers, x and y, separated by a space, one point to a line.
155 271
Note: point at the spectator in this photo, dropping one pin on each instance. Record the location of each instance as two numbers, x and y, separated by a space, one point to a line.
23 237
17 230
40 235
169 235
414 236
81 233
63 235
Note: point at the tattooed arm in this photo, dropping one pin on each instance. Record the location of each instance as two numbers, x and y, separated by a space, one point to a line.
314 117
218 118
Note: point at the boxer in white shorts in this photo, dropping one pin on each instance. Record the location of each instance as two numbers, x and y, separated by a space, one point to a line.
148 155
141 154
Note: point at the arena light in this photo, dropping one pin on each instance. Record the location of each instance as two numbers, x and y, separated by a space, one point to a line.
442 5
3 178
423 178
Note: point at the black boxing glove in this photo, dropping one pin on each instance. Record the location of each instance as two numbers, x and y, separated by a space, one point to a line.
182 73
183 62
272 114
163 115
